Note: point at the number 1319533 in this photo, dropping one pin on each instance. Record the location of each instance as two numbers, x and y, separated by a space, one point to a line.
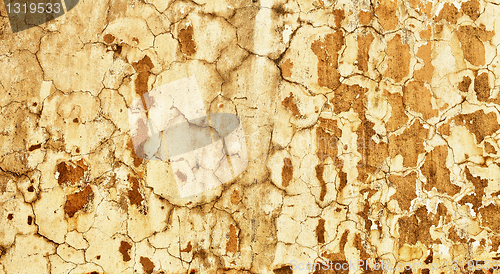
33 7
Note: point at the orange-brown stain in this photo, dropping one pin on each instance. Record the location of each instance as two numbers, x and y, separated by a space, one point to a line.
488 148
471 41
327 53
188 46
418 98
471 8
339 16
490 217
188 248
286 172
398 65
405 189
444 129
71 172
124 249
108 38
235 197
320 231
286 68
134 195
363 57
464 85
436 172
454 237
415 228
386 14
412 137
478 123
147 265
425 73
449 12
365 17
319 175
232 243
476 198
76 201
289 102
426 33
398 116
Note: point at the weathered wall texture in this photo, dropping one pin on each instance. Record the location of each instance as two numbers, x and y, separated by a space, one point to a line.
371 129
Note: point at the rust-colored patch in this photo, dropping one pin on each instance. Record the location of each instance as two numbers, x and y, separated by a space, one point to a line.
320 231
405 189
327 137
358 244
10 216
412 137
76 201
471 8
420 6
416 227
426 33
283 270
373 154
364 43
289 103
134 195
286 172
188 46
398 115
34 147
319 174
364 215
124 250
143 68
342 180
398 64
286 68
479 123
235 197
490 217
482 87
489 148
476 198
365 17
108 38
71 172
130 146
436 172
471 41
188 248
386 14
449 13
232 243
30 220
147 265
327 54
418 97
444 129
339 16
425 73
464 85
347 97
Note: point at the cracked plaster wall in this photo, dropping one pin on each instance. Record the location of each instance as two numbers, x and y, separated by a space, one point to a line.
371 129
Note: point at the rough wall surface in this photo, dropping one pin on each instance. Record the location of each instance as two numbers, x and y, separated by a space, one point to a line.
371 129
